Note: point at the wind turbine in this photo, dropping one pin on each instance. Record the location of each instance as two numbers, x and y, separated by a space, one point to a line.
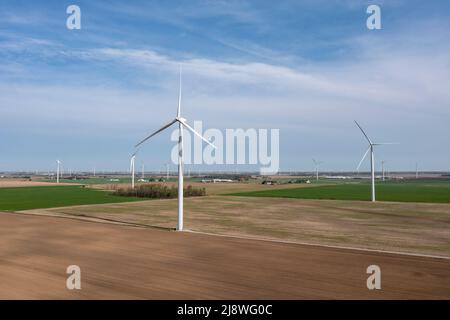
382 168
181 125
132 161
417 170
317 164
167 172
372 158
57 170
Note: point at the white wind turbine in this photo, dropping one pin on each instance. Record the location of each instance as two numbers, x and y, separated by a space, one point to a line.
317 164
57 170
417 170
181 125
132 162
372 159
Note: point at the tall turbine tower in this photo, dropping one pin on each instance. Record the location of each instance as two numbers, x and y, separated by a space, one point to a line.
181 125
372 159
417 170
57 170
132 162
317 164
382 169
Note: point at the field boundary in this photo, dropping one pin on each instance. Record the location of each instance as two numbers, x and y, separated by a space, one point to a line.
333 200
137 225
387 192
88 219
322 245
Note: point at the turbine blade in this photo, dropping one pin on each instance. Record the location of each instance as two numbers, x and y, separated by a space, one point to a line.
133 157
196 133
365 135
317 162
364 156
385 143
179 97
156 132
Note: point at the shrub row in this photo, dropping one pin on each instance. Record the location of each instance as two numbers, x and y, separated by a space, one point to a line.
156 191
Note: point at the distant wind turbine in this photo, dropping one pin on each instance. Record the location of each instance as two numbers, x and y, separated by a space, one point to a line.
417 170
57 170
181 125
372 158
317 164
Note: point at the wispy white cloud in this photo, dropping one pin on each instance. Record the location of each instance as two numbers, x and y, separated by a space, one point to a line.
394 82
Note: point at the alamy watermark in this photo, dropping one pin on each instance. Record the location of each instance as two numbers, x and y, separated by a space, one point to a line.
74 20
374 280
237 146
373 22
74 279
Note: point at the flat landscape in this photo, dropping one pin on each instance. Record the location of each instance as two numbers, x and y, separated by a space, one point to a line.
225 150
15 183
23 198
238 244
121 262
407 227
408 191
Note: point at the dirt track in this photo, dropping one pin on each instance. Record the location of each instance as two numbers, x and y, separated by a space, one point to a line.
136 263
16 183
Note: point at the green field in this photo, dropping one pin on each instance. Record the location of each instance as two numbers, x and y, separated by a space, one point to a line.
407 191
15 199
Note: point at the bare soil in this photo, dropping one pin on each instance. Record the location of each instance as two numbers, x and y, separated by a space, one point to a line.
14 183
122 262
406 227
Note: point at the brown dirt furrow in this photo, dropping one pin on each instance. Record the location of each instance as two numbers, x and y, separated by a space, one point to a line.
126 262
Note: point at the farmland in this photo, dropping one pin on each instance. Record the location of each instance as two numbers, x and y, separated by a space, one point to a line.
25 198
408 191
395 226
223 238
122 262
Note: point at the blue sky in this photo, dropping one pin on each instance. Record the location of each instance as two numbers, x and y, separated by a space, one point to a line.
307 68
